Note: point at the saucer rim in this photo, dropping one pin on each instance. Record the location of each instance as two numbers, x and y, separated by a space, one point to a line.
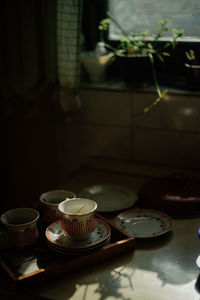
80 251
108 233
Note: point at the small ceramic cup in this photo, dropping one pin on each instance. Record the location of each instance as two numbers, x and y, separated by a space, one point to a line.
50 201
77 217
20 228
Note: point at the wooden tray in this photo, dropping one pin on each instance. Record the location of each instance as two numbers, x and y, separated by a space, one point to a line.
40 263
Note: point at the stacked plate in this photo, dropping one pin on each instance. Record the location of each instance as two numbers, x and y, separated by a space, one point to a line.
62 243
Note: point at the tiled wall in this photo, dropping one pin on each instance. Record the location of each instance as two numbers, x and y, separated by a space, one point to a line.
169 134
42 151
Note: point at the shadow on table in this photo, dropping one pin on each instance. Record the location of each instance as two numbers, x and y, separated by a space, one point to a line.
154 242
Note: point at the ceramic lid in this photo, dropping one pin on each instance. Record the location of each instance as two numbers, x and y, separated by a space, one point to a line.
177 194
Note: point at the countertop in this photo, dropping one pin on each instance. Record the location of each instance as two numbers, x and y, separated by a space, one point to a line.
158 268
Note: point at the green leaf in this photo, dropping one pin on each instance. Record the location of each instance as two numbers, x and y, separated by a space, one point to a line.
104 24
160 57
101 27
149 45
160 21
106 21
145 33
165 53
174 30
163 21
133 34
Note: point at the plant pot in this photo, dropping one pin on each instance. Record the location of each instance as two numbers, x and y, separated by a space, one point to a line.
134 70
192 77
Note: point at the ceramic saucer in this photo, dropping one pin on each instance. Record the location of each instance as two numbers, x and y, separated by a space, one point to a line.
109 197
59 239
144 223
76 252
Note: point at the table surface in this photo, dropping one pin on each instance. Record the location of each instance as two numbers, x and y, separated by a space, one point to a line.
160 268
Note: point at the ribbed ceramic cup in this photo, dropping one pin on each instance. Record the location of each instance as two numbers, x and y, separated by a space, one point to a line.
20 228
50 201
77 216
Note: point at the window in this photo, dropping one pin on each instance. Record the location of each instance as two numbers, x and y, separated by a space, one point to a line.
139 15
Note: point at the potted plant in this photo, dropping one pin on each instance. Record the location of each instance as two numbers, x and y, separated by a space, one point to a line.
192 68
135 56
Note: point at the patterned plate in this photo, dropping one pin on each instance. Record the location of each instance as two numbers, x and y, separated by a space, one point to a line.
144 223
75 252
110 197
56 237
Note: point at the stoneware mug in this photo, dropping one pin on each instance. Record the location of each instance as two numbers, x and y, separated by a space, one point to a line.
20 228
77 217
50 201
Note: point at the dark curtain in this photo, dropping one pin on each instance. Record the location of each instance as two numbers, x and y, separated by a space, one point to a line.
28 70
28 47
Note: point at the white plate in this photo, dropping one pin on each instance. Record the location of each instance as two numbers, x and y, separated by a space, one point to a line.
56 237
109 197
144 223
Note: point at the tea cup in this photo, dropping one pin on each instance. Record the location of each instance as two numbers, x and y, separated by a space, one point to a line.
20 228
77 217
50 201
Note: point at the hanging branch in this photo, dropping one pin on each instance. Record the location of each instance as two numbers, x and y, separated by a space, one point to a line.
160 94
142 46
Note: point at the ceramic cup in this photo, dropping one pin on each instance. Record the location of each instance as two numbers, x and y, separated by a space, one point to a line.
50 201
77 216
20 228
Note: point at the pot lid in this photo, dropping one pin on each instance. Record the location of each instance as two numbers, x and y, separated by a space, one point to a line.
176 194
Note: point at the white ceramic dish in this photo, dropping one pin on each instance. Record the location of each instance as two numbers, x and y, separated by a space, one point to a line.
144 223
57 238
109 197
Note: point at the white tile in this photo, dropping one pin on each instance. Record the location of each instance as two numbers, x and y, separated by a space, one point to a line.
167 148
70 154
176 112
105 141
105 107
